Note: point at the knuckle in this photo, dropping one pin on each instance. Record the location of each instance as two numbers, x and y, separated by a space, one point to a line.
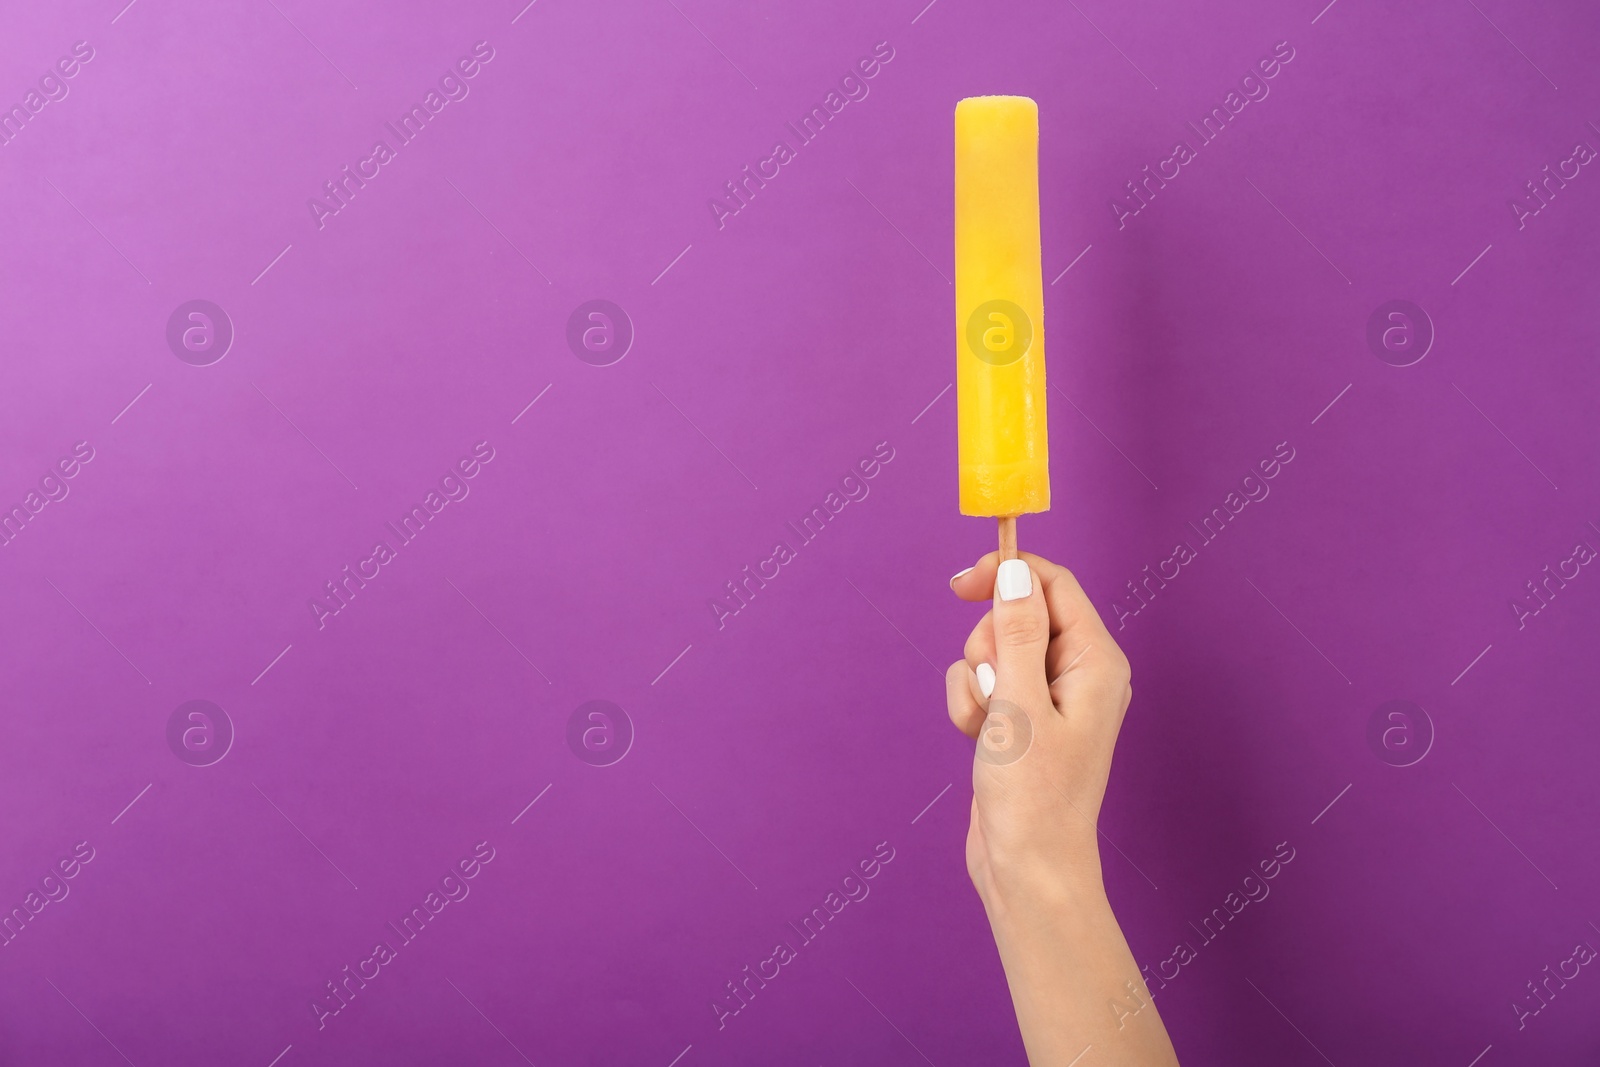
1121 669
1022 628
1112 663
955 684
1114 678
976 649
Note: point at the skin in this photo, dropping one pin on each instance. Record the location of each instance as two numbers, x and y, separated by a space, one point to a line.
1032 849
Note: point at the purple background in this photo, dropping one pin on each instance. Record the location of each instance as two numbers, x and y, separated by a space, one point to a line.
776 752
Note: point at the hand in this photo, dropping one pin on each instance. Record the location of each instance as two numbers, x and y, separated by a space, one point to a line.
1042 689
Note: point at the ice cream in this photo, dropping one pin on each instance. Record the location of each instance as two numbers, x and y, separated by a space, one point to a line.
1000 392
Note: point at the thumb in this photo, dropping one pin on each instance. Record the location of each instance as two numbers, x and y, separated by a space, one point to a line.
1021 633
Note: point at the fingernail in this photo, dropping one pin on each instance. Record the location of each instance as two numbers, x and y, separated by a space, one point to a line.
958 574
1015 581
985 680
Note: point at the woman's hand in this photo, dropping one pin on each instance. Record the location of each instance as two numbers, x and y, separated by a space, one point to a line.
1043 689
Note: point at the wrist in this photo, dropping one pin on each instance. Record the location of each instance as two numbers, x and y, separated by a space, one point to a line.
1015 885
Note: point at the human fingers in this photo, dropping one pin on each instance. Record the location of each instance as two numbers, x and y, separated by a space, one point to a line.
961 699
980 656
1080 643
977 581
1021 623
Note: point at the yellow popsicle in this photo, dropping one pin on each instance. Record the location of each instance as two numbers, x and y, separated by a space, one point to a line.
1000 392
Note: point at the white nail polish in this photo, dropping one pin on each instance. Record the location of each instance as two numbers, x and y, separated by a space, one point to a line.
985 680
958 574
1014 581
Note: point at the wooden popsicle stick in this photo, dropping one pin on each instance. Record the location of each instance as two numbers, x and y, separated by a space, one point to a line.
1008 537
